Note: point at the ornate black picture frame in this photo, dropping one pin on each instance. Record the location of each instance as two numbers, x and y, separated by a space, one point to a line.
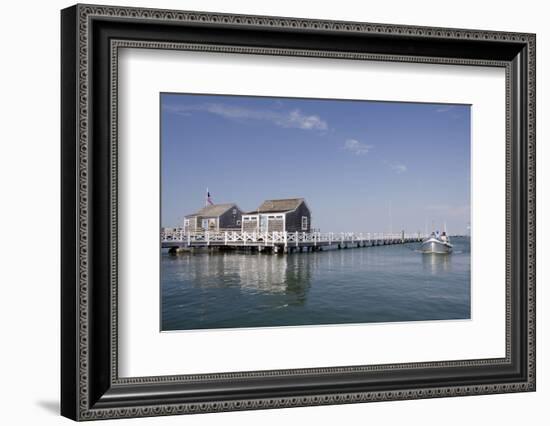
91 36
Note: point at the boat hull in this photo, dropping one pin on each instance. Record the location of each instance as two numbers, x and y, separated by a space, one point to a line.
437 247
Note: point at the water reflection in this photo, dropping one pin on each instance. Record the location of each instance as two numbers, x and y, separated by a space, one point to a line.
388 283
436 264
256 273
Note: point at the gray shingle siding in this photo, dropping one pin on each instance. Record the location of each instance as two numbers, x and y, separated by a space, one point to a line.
222 217
294 219
275 225
228 217
250 226
231 219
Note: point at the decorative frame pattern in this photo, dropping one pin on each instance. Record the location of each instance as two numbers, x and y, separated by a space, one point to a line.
88 402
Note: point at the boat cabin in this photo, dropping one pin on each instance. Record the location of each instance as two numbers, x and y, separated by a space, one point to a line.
215 217
289 214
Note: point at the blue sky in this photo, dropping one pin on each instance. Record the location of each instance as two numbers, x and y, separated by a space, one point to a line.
362 166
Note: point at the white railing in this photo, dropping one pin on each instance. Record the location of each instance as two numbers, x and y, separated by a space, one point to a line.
280 238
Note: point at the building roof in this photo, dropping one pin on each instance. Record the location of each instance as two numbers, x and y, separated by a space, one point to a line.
213 210
278 206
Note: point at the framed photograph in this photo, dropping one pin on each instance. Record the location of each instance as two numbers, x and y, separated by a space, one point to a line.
263 212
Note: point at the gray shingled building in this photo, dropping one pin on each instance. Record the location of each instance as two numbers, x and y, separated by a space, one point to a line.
216 217
289 214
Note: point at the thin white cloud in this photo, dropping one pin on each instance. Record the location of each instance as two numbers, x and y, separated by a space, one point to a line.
451 110
445 108
398 167
286 119
358 148
307 122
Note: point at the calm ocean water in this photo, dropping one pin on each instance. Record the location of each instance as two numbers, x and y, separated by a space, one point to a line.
373 284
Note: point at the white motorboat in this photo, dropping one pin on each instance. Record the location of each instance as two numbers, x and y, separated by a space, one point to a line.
437 243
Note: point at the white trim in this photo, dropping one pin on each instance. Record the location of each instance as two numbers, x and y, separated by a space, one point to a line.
302 223
265 218
250 216
275 217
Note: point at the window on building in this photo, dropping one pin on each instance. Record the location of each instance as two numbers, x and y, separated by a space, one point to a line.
238 222
234 211
304 223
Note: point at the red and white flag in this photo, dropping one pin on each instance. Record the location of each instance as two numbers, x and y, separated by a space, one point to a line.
208 198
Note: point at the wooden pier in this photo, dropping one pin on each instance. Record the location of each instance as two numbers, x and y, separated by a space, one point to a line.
280 242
